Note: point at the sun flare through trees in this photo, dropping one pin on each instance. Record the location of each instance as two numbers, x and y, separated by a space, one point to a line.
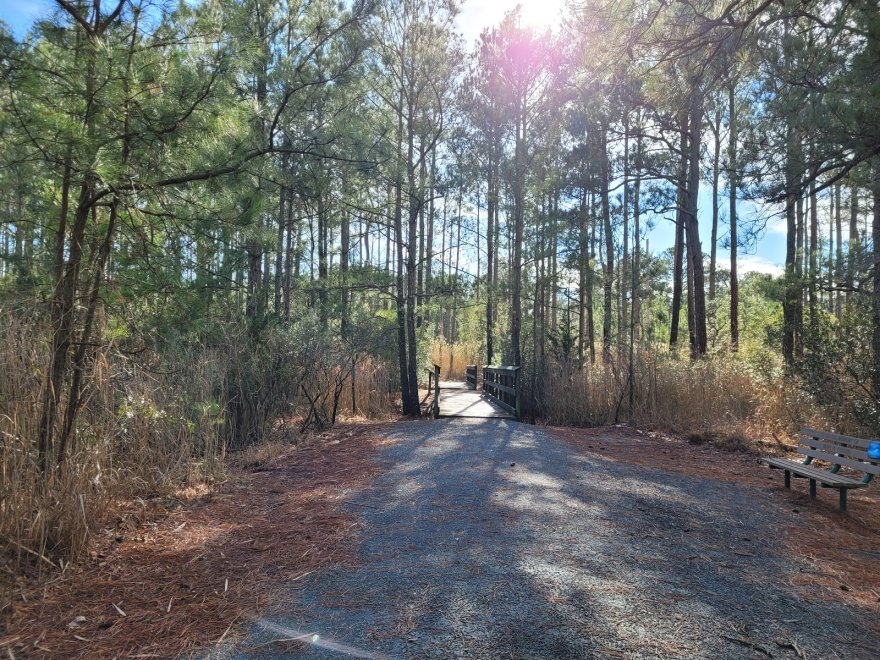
228 219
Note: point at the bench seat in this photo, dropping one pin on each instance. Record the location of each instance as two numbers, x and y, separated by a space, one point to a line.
839 450
826 478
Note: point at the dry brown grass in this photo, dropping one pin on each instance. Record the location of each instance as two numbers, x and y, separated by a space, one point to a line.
368 395
170 577
714 396
135 438
141 434
454 357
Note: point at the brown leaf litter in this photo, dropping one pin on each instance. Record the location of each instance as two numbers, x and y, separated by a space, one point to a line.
168 583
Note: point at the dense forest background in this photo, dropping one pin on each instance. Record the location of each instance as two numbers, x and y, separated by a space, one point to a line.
232 219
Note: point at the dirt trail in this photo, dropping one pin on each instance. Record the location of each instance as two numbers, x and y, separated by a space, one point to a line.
489 538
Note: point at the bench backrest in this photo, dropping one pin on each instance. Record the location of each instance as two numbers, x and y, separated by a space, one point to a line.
838 449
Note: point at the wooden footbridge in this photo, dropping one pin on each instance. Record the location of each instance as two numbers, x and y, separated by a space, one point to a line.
495 398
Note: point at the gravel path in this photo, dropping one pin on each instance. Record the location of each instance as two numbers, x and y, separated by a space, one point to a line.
490 538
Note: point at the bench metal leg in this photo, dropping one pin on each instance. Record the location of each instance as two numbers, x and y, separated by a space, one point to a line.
812 488
843 499
787 479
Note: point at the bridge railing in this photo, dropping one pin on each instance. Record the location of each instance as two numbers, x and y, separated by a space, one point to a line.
471 376
501 383
434 386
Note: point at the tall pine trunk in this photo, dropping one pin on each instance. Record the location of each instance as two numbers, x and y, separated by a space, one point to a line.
732 186
608 279
695 251
678 249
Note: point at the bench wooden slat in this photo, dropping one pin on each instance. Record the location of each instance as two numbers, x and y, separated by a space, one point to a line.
836 438
824 476
835 448
862 466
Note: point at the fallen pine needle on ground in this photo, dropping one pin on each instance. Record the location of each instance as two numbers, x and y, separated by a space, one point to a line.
173 581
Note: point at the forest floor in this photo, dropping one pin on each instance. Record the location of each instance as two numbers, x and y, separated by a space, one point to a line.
476 538
171 577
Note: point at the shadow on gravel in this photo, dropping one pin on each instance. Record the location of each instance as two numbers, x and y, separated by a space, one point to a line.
488 538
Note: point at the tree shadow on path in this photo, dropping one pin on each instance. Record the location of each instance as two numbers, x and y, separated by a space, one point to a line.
489 538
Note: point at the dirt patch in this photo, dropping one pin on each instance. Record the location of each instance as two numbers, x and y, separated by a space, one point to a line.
170 579
840 549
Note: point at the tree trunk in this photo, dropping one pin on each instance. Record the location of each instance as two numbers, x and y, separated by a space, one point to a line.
591 260
732 184
410 404
420 262
289 256
74 399
636 266
831 252
429 237
415 205
583 261
323 269
838 257
875 302
813 263
716 173
695 251
853 249
516 246
799 274
678 250
608 279
624 280
64 300
344 262
792 286
637 238
492 206
279 250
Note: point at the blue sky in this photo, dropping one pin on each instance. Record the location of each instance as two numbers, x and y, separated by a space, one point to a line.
766 256
21 14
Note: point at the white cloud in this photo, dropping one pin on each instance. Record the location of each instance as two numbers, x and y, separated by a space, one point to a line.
752 263
777 225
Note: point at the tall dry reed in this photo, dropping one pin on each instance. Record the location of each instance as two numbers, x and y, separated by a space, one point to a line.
453 358
148 430
716 396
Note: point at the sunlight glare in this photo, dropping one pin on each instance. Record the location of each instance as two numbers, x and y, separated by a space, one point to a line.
540 14
477 15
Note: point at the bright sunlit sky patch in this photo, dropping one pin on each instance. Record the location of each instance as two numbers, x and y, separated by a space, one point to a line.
476 15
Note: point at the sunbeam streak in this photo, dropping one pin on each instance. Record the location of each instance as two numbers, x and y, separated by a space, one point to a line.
319 640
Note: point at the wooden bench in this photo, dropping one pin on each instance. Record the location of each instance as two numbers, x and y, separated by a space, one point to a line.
839 451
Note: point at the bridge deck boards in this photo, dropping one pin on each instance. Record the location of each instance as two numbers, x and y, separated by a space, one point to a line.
457 400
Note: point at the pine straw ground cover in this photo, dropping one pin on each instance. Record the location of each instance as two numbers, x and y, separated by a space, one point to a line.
839 549
171 579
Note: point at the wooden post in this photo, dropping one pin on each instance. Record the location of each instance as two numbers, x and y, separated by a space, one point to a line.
516 389
436 391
